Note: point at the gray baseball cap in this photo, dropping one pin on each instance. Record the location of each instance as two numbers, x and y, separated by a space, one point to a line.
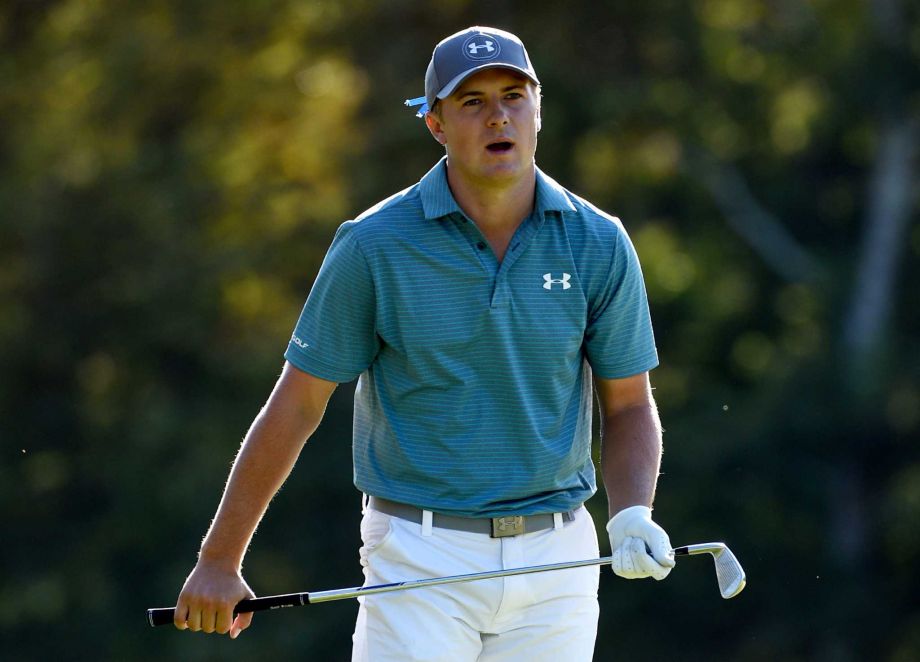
461 55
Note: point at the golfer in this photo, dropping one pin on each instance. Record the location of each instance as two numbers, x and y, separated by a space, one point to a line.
480 309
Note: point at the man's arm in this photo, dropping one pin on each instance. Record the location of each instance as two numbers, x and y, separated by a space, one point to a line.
265 459
630 441
630 461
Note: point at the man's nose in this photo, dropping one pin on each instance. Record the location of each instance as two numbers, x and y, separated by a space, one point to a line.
498 115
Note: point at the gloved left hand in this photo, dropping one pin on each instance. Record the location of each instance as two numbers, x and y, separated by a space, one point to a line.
640 547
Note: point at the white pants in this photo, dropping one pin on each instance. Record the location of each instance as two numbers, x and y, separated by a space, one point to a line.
549 616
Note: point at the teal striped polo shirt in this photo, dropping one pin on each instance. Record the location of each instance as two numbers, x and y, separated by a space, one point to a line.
474 395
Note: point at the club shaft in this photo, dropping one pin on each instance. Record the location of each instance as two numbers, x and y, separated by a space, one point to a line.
357 591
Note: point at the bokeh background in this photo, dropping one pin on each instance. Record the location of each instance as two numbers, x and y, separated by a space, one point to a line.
171 173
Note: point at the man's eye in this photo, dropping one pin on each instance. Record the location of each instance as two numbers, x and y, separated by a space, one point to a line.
471 102
514 95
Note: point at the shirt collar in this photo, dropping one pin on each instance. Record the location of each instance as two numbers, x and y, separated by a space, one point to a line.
551 196
437 200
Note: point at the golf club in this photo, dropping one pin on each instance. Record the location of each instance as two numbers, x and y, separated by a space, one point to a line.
729 573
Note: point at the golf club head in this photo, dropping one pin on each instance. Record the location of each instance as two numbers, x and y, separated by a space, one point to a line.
729 572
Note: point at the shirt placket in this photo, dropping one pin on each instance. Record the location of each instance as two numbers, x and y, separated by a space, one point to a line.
500 296
501 288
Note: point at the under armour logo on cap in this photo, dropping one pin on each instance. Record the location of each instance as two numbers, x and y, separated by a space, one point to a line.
462 54
481 47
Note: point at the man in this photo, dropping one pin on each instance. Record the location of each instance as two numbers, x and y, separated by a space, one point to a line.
476 308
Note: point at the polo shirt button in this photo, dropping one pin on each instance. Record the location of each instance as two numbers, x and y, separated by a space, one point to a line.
481 246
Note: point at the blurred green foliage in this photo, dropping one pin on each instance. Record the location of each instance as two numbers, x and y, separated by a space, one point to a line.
171 174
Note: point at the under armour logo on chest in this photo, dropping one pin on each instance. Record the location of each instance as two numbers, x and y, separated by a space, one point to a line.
549 281
474 47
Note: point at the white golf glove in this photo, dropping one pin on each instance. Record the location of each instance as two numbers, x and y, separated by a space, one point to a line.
632 535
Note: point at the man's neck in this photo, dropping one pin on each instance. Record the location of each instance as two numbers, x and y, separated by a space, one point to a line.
499 206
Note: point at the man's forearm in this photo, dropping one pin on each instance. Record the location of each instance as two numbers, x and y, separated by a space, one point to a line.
265 460
266 457
631 456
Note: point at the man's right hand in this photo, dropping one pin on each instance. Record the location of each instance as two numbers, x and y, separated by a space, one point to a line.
207 599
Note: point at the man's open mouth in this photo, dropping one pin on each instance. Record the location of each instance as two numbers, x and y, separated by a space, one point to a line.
500 146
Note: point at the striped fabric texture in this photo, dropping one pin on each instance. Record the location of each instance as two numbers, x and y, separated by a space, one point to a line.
474 395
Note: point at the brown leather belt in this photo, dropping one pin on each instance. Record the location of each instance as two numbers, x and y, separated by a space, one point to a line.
497 527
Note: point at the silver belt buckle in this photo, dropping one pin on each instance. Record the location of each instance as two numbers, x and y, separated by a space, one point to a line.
511 525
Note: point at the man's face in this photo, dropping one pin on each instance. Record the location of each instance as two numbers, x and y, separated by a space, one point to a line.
489 126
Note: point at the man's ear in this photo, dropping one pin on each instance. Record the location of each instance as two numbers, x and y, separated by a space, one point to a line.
435 126
539 120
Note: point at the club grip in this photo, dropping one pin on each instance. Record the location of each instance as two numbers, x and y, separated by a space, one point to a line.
160 616
165 615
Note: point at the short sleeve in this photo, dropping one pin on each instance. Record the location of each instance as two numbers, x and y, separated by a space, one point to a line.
619 341
335 337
